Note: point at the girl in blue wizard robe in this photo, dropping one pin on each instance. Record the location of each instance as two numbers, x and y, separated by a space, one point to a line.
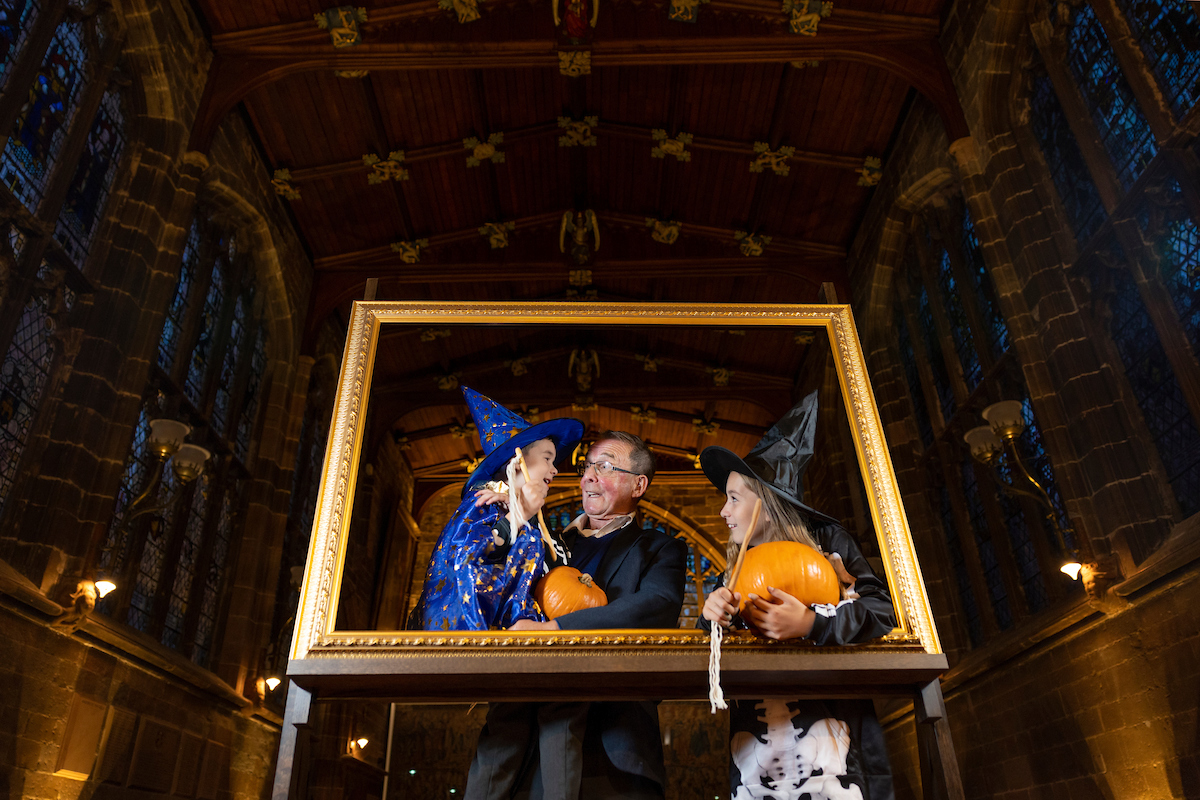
488 559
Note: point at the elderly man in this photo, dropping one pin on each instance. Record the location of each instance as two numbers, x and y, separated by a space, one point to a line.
642 572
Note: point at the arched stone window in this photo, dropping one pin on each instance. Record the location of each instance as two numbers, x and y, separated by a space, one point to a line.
1170 39
64 130
1099 74
956 355
211 359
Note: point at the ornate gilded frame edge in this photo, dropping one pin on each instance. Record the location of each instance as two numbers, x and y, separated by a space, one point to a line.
314 634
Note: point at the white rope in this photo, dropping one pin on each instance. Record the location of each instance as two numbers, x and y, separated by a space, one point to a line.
516 514
716 697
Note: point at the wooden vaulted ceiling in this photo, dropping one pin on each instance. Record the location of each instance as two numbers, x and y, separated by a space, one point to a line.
424 82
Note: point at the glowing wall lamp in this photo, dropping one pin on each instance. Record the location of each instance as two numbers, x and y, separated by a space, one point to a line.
991 444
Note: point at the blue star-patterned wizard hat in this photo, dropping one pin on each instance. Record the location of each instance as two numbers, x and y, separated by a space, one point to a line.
501 432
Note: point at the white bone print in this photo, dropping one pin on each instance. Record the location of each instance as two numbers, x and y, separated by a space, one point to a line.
789 759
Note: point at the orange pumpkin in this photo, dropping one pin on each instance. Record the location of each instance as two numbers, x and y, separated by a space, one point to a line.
790 567
566 589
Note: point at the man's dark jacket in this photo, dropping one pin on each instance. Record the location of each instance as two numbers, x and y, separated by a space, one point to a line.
643 574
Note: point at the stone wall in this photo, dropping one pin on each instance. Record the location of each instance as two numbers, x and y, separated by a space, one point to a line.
172 728
145 734
1107 708
1082 699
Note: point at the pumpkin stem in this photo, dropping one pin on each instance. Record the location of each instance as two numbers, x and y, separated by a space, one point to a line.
586 580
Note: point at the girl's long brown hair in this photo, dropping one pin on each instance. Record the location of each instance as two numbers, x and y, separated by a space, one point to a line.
780 521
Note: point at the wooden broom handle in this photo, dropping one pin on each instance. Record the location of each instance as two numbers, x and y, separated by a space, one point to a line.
737 566
541 519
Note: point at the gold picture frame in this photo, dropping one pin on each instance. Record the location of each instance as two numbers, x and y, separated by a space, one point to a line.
633 664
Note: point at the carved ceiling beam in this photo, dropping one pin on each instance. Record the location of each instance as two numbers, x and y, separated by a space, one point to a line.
292 33
733 147
794 247
909 52
606 128
383 255
393 399
334 289
390 407
423 383
726 425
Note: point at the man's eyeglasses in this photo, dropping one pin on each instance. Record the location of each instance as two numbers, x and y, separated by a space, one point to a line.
602 468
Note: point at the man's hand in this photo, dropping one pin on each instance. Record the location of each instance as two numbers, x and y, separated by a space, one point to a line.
531 625
720 606
780 617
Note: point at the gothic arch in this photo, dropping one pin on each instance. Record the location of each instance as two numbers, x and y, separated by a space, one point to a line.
891 247
233 208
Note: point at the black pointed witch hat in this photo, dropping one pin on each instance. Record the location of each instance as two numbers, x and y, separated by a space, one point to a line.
778 460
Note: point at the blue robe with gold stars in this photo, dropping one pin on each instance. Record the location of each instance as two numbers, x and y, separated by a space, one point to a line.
472 585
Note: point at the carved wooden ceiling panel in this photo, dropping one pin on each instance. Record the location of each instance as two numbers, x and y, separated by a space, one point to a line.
726 159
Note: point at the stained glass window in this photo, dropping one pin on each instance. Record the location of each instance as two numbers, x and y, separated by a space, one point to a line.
562 515
195 383
1024 556
1179 250
308 472
93 177
185 563
1035 457
215 574
983 543
958 565
16 21
960 329
138 469
937 365
1068 170
229 366
173 326
985 290
908 360
245 426
1169 34
23 375
42 122
1158 393
1122 128
154 554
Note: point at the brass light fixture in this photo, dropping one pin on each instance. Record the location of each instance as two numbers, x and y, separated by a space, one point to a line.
991 443
187 462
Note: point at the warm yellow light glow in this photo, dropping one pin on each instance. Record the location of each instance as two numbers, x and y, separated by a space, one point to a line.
984 444
273 683
1072 568
103 587
1006 418
189 462
361 742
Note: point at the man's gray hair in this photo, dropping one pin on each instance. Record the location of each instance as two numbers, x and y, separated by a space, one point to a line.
641 460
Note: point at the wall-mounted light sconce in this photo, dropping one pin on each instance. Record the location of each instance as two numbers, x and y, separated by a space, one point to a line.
187 462
274 662
362 742
990 444
83 603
